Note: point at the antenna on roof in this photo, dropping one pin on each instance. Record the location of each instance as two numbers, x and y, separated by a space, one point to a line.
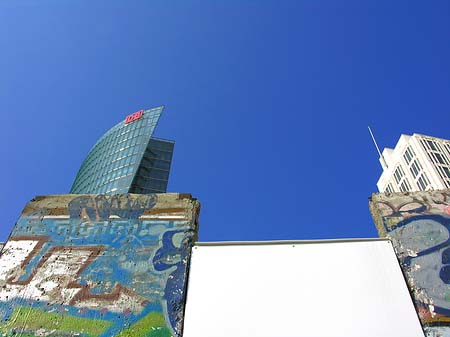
383 162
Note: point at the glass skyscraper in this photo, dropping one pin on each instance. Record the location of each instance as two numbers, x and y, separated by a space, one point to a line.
127 159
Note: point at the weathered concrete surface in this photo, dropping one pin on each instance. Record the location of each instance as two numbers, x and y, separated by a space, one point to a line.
418 225
95 265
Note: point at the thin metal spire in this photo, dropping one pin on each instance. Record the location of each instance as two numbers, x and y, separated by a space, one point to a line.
383 162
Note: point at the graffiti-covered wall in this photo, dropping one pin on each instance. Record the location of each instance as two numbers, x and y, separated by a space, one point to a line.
418 225
96 265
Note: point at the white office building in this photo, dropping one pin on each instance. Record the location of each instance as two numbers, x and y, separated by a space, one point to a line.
417 163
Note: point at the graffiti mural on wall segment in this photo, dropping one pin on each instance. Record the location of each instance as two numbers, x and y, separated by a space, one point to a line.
418 225
96 265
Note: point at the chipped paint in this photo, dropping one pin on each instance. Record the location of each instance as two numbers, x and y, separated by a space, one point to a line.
95 265
418 224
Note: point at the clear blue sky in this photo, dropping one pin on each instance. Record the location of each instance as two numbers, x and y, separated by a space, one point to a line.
268 101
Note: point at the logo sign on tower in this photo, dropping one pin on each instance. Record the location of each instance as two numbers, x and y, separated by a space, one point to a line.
134 116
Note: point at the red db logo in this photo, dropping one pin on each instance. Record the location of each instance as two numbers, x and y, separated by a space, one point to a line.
133 117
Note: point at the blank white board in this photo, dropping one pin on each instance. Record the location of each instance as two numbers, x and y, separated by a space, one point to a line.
323 289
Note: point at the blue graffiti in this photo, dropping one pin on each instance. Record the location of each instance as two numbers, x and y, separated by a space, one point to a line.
426 251
101 206
169 256
444 221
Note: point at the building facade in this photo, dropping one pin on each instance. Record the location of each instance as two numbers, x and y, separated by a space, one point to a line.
127 159
417 163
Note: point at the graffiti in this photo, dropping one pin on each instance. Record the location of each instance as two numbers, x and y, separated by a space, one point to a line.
418 225
98 266
166 260
54 279
102 207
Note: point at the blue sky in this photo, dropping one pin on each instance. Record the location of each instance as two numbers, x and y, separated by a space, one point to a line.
268 101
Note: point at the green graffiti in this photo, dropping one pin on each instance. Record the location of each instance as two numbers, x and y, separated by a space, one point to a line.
22 334
26 320
152 325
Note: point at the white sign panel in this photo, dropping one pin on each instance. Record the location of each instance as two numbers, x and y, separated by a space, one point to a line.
313 289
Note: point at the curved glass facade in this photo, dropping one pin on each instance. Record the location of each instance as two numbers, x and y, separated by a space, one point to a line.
126 159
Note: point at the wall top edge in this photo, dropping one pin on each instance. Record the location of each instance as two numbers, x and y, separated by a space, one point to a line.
382 195
284 242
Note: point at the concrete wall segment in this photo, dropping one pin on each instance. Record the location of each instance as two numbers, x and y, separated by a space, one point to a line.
96 265
418 224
